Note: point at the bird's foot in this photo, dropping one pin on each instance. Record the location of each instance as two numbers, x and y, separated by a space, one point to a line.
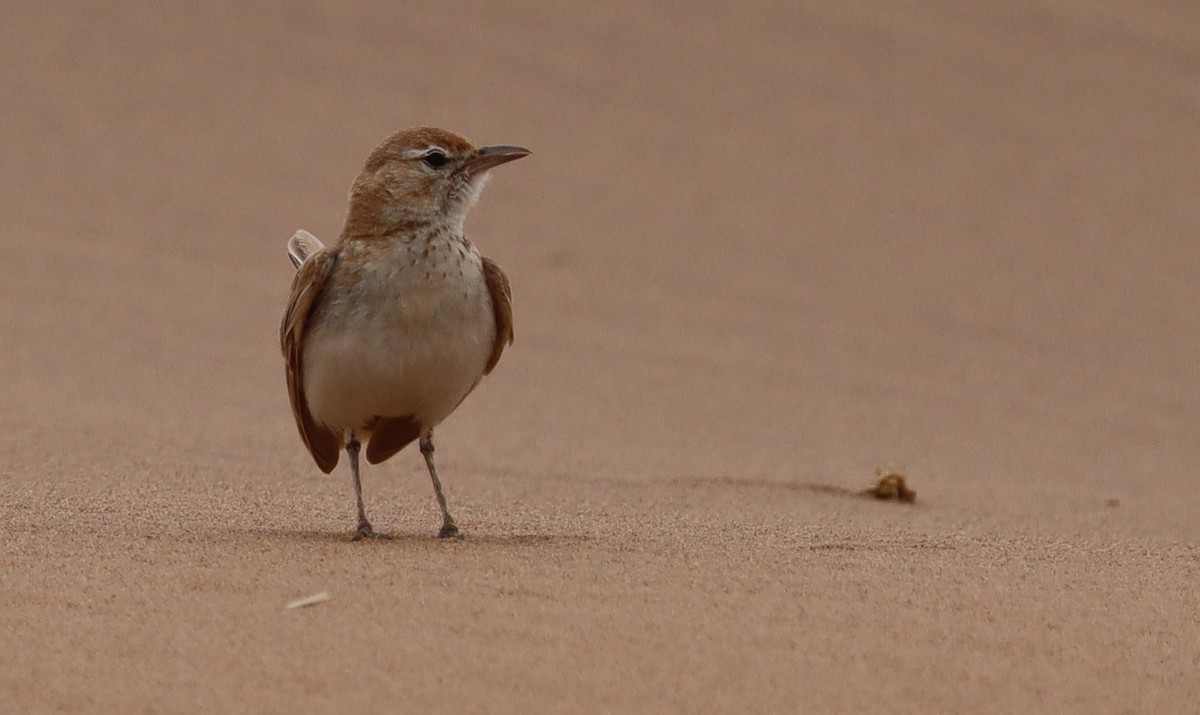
365 531
450 531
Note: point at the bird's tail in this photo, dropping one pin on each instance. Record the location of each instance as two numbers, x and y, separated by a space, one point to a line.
302 245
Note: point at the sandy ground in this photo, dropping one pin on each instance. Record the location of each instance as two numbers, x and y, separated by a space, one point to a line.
760 250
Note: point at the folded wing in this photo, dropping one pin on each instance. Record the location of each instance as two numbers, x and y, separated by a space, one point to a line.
323 443
501 294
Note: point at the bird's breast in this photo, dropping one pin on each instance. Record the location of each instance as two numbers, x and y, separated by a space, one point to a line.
402 330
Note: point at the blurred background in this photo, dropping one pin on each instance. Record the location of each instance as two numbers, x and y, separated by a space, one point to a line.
771 241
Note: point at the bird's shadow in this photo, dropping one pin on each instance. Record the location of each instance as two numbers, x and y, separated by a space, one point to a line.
700 482
411 538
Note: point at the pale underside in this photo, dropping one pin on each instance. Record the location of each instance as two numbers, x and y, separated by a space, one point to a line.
397 345
388 335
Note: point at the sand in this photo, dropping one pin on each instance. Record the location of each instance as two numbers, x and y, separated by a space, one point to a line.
760 250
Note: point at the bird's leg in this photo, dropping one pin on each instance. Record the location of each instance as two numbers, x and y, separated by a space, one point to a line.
364 527
449 529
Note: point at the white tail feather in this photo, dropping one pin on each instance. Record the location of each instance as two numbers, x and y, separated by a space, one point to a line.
302 245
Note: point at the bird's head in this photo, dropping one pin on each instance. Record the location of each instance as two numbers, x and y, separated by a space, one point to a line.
422 177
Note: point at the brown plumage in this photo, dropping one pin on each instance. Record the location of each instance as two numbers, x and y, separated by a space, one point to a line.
387 332
323 443
501 295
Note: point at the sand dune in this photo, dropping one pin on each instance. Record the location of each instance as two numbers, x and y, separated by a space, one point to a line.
758 252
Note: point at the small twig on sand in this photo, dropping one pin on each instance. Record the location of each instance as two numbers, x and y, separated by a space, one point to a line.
312 600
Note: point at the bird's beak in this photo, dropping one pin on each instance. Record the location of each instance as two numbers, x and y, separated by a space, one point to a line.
493 156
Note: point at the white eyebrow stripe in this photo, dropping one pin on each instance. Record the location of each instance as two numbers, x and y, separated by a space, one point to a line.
417 153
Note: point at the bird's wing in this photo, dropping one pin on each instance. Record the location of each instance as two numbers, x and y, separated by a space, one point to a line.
498 288
301 245
323 443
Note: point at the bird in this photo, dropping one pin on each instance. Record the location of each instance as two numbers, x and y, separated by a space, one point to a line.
387 331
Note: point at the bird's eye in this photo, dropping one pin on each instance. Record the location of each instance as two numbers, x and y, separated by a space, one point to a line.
435 158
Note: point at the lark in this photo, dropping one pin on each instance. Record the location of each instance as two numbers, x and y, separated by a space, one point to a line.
387 331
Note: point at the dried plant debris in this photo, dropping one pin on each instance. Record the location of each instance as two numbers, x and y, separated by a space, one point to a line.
891 485
312 600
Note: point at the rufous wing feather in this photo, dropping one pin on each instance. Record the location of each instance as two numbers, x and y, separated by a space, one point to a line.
501 294
323 443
